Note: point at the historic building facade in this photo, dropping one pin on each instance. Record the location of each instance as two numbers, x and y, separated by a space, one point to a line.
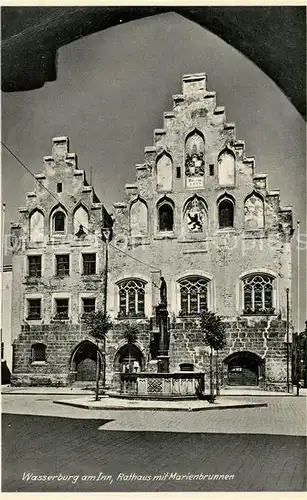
58 274
198 215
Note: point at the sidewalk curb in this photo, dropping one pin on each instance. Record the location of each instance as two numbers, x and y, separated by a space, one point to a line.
45 394
89 406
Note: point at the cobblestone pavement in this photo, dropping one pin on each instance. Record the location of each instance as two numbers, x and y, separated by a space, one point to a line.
264 449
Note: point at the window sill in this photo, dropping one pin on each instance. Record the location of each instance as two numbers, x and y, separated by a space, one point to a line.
59 320
38 363
189 316
131 317
165 235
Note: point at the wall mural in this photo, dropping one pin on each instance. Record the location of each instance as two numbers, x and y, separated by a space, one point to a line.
253 212
194 160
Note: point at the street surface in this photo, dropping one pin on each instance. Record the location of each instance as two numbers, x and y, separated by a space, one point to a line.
49 447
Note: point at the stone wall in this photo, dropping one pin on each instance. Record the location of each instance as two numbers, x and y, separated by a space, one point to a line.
60 341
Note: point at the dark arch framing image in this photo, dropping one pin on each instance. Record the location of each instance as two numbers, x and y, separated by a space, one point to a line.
153 279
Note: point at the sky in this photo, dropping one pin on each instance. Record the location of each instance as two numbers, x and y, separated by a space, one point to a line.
111 91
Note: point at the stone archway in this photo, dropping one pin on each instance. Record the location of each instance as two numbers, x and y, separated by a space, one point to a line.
244 368
83 362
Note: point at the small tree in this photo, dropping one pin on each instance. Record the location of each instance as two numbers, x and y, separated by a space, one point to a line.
99 324
214 336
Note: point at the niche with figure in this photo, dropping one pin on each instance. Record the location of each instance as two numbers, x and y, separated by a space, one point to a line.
195 215
254 212
194 159
81 221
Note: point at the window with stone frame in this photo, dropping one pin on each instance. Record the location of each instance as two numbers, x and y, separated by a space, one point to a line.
35 266
89 263
131 298
258 294
61 308
62 265
34 309
193 295
89 305
38 353
226 213
59 219
166 217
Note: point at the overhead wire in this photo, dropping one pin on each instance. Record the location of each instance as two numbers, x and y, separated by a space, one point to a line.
70 213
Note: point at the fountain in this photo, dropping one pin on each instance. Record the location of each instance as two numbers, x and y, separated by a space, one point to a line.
158 382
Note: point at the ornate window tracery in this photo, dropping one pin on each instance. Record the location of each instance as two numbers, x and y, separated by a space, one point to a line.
258 294
193 295
131 298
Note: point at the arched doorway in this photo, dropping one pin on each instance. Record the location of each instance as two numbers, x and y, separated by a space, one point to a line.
244 368
84 361
129 359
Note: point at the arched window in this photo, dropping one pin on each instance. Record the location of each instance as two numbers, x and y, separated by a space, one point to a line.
226 168
166 215
193 295
226 213
254 212
164 172
138 218
58 222
258 294
37 226
195 215
38 352
131 298
81 219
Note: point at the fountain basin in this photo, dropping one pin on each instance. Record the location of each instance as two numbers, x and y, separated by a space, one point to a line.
162 385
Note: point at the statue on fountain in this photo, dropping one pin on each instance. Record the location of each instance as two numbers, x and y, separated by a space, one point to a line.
163 292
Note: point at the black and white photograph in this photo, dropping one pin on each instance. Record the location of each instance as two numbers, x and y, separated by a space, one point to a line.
153 249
